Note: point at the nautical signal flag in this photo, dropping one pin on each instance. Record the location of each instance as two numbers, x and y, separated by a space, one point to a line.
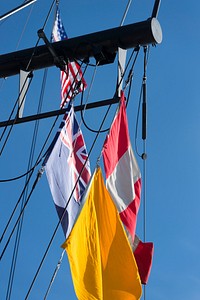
143 253
72 81
102 264
68 170
123 177
123 181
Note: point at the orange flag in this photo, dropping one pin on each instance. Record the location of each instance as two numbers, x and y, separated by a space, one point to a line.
102 264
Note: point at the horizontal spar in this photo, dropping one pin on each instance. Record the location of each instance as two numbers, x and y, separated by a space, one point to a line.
101 45
58 112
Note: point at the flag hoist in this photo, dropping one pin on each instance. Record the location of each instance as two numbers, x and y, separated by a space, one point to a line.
103 264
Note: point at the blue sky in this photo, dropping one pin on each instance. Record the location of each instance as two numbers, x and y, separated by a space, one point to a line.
173 144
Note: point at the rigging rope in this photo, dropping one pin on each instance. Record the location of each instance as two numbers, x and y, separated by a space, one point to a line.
20 224
49 12
22 210
27 20
127 82
22 175
44 25
54 274
30 75
125 12
30 175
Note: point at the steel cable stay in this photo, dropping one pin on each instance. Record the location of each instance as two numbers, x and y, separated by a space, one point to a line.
28 172
28 65
28 17
30 75
54 275
30 12
30 175
15 10
44 25
22 210
30 162
21 91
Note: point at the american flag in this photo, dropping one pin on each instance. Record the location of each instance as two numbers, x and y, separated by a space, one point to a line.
72 81
67 169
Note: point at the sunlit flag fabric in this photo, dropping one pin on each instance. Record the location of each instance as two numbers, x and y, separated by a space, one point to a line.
143 253
101 260
123 181
123 178
67 169
72 81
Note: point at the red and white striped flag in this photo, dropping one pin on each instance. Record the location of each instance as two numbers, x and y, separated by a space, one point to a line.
123 178
72 81
123 181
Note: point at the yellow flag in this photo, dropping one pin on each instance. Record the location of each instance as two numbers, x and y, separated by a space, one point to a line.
101 260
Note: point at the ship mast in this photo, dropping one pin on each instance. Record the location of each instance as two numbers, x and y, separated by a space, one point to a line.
102 46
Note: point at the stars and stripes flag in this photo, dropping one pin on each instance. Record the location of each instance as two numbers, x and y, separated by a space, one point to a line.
123 181
68 170
72 81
